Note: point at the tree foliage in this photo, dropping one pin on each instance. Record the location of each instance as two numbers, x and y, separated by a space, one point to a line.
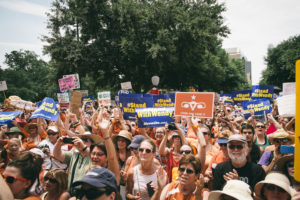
27 76
281 62
131 40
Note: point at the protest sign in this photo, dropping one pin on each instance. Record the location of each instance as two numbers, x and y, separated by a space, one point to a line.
198 104
104 98
288 88
240 96
258 106
126 85
76 80
287 105
154 117
66 83
47 109
162 100
129 104
7 117
3 86
297 125
84 93
75 103
63 99
262 91
226 98
120 92
87 99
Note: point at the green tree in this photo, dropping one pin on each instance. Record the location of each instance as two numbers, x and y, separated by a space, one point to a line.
28 76
281 62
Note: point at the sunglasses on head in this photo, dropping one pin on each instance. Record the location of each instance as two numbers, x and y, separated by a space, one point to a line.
91 193
145 150
12 179
260 126
52 180
51 133
279 140
223 144
239 147
272 187
188 171
185 151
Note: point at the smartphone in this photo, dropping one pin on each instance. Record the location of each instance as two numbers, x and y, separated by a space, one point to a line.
172 126
150 189
68 140
287 149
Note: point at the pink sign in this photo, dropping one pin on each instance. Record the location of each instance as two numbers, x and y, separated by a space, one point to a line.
66 83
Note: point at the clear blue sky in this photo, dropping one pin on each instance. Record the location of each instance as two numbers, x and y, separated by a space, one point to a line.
254 24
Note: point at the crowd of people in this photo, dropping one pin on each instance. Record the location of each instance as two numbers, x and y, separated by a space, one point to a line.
96 154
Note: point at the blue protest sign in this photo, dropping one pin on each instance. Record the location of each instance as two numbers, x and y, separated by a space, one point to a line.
262 91
47 110
240 96
164 100
258 106
129 104
226 98
154 117
87 99
7 117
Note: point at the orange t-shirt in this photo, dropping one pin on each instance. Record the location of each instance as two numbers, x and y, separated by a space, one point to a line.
217 158
174 192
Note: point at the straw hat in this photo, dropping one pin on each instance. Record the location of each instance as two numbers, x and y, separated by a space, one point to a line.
280 133
280 163
274 178
123 133
234 188
95 138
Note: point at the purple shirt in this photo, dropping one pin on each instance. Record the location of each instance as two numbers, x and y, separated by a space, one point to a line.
265 158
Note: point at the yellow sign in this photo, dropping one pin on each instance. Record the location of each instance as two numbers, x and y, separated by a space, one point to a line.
297 122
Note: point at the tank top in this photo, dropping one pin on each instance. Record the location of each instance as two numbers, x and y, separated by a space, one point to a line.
140 180
171 163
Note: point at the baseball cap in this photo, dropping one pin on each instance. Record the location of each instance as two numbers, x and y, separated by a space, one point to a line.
136 141
237 137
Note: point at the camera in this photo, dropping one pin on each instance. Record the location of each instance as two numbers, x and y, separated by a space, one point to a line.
150 190
44 147
172 126
68 140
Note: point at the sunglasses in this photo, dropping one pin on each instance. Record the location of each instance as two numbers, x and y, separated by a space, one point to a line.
260 126
12 179
97 154
91 193
289 165
145 150
279 140
247 132
131 148
185 151
52 180
223 144
51 133
239 147
86 140
205 133
188 171
272 187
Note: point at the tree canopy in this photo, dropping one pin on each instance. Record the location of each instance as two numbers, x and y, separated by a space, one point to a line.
281 62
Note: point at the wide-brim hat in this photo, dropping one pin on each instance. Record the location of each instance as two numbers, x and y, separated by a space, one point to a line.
30 125
280 163
280 133
274 178
15 130
95 138
234 188
124 134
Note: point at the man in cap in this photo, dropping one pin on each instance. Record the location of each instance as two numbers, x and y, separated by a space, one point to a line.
237 167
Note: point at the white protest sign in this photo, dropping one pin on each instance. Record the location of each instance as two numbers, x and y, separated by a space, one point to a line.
76 80
63 97
3 85
289 88
104 98
66 83
84 92
287 105
126 85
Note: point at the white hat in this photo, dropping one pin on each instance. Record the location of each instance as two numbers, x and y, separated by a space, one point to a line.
52 128
234 188
274 178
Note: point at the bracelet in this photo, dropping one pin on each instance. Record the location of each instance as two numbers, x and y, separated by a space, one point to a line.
83 150
106 138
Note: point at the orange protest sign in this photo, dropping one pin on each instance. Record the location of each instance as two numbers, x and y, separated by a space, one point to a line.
197 104
297 123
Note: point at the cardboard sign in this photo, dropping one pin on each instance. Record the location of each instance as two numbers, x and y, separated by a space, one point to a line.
287 105
84 93
197 104
76 80
126 85
154 117
3 85
75 103
104 98
288 88
66 83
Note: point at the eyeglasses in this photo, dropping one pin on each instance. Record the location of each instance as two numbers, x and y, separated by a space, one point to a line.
159 132
52 180
279 140
272 187
247 132
188 171
260 126
185 151
12 179
51 133
205 133
131 148
91 193
97 154
145 150
239 147
223 144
